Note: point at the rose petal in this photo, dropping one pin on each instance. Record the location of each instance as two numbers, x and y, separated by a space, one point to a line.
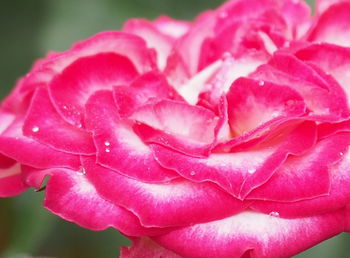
253 234
71 196
52 130
118 147
177 125
154 38
145 247
171 27
105 42
255 105
152 85
187 202
338 195
333 25
303 177
29 152
333 59
71 89
325 98
240 172
10 181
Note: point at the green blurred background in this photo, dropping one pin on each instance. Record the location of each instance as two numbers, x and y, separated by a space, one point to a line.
28 30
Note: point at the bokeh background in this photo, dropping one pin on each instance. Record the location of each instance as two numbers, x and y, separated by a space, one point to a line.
28 30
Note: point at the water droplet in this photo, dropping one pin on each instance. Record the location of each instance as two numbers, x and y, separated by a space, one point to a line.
251 170
108 150
274 214
35 129
261 83
107 143
341 153
82 171
192 173
65 107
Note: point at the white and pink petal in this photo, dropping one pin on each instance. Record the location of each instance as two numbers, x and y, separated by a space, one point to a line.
118 147
254 235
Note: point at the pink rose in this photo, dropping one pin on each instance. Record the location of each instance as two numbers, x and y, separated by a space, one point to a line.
224 137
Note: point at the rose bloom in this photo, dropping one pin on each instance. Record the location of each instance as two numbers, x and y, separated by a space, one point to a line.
227 136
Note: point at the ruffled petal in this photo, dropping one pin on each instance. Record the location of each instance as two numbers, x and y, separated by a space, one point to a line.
333 25
29 152
118 147
147 88
338 195
187 202
332 59
240 172
324 98
105 42
52 130
71 89
70 195
254 234
177 125
162 43
255 105
306 176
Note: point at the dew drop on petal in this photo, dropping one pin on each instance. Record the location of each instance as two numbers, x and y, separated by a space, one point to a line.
35 129
274 214
251 170
341 153
261 83
108 150
107 143
82 171
192 173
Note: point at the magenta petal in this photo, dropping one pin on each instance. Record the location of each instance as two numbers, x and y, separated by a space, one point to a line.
32 153
118 147
71 89
177 125
52 130
257 234
105 42
332 59
148 87
338 195
154 38
240 172
153 202
258 104
10 181
306 176
71 195
333 25
145 247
